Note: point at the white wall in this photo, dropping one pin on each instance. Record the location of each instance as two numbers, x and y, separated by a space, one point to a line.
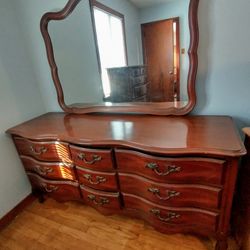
169 10
20 100
223 83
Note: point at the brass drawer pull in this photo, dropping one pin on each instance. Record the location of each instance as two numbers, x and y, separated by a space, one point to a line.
169 170
49 188
40 151
99 179
170 215
95 158
170 193
102 201
43 170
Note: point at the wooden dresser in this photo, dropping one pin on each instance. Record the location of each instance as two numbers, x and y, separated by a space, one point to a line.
241 216
128 84
176 173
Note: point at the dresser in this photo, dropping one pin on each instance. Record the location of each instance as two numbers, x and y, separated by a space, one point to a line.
241 210
176 173
128 84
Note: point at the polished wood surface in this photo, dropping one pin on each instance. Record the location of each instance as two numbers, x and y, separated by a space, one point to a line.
98 180
126 107
73 226
105 202
59 190
181 195
95 159
172 220
241 215
186 153
44 151
13 213
49 170
210 135
165 169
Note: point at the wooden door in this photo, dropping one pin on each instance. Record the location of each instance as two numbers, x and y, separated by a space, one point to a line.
158 47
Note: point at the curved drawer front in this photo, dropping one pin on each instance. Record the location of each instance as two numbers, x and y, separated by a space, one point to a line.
107 203
96 159
171 195
49 170
160 217
44 151
184 170
98 180
60 190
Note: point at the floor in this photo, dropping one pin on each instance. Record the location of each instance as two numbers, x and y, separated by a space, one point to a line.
71 225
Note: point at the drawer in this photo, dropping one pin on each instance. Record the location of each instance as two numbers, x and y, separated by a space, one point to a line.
179 195
162 169
44 151
52 170
98 180
104 202
168 218
140 90
138 80
140 99
59 190
136 71
96 159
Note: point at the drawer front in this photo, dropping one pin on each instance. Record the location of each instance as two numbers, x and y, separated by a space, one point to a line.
137 71
44 151
138 80
94 159
49 170
107 203
98 180
160 217
59 190
183 170
141 99
169 194
140 90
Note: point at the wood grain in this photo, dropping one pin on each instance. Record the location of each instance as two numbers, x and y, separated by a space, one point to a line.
11 215
209 135
43 151
183 195
189 170
52 170
59 190
98 180
73 226
92 158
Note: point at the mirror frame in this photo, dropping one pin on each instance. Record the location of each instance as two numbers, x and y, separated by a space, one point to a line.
164 108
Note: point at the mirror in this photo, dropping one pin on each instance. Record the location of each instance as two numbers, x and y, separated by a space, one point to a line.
124 55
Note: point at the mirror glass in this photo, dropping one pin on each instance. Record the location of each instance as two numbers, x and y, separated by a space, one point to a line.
122 51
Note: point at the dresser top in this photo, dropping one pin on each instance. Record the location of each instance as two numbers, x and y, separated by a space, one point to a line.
204 135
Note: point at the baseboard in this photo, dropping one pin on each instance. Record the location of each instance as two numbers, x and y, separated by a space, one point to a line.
10 216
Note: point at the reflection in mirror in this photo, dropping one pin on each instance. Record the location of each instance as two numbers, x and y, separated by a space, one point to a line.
119 51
